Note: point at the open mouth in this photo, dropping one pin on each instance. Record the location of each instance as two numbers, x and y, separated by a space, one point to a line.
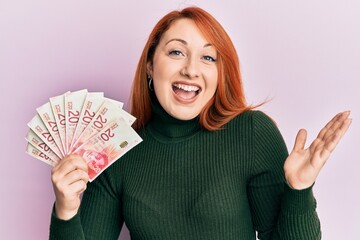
186 92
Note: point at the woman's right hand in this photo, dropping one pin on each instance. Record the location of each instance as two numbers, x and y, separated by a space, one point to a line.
69 180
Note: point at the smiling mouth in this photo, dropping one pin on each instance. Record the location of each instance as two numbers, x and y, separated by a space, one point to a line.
186 92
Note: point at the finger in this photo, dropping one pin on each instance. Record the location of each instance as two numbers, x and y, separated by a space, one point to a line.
329 125
332 142
62 162
342 127
75 176
333 125
300 140
321 149
73 183
70 163
338 129
337 124
80 186
345 126
76 187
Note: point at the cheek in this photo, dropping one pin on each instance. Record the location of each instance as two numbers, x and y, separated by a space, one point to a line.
161 68
161 90
162 78
212 82
213 86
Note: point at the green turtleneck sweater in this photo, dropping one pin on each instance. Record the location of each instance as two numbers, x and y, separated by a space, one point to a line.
183 182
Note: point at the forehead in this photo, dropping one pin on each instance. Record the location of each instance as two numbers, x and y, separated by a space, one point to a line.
185 29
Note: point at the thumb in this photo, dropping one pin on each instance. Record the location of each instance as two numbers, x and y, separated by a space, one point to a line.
300 140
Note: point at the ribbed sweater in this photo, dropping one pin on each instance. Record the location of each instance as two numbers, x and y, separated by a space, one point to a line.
183 182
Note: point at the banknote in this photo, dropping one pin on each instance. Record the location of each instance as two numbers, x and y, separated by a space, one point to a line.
85 123
38 126
36 153
107 112
58 107
91 105
73 104
130 119
46 114
117 103
34 140
108 145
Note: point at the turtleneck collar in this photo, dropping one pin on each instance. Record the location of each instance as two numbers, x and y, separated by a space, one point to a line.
164 127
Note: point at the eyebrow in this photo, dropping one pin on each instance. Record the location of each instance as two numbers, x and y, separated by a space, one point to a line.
184 42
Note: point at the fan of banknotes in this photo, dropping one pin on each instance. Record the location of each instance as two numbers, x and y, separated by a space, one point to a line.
83 123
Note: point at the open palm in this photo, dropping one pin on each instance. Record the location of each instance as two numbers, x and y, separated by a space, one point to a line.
303 165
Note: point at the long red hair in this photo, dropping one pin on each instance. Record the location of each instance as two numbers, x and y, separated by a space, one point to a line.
229 98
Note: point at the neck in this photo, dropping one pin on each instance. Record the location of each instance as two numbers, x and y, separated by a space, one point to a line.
167 128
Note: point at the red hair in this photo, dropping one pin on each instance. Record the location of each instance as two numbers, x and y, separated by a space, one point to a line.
229 98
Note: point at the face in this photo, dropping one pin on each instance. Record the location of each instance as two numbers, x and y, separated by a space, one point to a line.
184 70
94 158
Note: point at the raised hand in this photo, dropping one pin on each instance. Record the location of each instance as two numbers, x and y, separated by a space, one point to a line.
303 165
69 179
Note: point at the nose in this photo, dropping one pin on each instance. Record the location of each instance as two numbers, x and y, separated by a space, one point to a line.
191 69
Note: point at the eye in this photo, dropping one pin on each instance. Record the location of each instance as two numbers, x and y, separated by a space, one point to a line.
209 59
175 53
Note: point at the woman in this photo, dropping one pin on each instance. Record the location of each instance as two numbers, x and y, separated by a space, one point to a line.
209 167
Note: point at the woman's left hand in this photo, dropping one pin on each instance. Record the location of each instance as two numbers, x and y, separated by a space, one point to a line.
303 165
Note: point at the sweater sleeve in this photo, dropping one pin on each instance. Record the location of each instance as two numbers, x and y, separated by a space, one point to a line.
99 216
278 212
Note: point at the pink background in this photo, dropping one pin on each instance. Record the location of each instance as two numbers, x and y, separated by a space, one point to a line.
304 55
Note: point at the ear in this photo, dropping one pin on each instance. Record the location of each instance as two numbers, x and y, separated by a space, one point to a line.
149 68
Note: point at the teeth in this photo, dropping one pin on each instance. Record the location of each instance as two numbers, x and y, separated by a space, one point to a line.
187 88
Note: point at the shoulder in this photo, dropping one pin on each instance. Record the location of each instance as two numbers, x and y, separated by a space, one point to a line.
253 118
258 124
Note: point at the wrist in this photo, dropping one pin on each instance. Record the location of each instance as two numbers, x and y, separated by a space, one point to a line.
297 184
64 214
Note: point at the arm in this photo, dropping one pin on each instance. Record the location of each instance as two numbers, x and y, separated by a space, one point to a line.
98 217
278 212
